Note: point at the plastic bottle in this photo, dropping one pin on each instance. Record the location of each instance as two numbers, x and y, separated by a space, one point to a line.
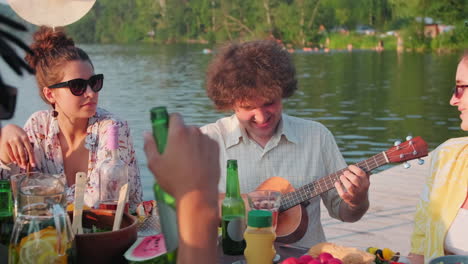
259 237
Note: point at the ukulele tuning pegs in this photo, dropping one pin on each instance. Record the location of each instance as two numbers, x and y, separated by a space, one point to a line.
420 161
409 138
406 165
397 143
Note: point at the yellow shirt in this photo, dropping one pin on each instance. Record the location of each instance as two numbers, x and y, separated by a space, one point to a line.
443 194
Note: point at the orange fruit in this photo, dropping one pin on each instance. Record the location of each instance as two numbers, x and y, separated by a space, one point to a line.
37 251
71 207
41 247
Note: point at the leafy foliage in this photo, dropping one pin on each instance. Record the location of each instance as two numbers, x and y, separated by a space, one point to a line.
295 22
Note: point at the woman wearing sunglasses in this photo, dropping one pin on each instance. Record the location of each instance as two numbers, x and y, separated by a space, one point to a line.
71 137
440 225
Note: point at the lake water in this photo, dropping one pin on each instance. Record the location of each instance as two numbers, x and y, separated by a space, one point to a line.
367 99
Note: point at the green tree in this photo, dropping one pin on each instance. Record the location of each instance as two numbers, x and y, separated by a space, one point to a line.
296 22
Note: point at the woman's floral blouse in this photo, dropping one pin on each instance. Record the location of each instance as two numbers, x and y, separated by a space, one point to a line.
43 130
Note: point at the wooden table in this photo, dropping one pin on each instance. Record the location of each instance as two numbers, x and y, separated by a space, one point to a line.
282 251
224 259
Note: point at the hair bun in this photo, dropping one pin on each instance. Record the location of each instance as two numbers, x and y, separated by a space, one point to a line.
45 41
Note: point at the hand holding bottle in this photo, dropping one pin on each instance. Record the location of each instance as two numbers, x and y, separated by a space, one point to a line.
189 162
189 170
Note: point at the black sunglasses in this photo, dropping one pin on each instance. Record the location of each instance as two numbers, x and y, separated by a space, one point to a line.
78 86
7 101
458 90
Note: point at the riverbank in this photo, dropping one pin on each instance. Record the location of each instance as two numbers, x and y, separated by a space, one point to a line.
346 42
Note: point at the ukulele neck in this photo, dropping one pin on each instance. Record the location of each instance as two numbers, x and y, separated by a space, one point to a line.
308 191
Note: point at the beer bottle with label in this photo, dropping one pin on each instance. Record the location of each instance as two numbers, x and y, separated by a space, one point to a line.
165 202
233 214
6 218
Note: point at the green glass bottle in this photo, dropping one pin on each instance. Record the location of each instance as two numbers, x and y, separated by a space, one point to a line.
233 214
166 203
6 217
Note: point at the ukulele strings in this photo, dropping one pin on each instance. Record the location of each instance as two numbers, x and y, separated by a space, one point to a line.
321 185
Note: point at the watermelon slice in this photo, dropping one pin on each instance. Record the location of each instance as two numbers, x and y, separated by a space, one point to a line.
146 248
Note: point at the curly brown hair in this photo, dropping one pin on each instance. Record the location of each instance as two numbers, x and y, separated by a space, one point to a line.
256 69
51 50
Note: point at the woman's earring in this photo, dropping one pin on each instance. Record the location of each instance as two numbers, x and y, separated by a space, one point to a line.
54 113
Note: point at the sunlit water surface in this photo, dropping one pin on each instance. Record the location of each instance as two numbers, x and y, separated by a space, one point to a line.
367 99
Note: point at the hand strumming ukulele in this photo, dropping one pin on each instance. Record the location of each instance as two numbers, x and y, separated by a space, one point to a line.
293 219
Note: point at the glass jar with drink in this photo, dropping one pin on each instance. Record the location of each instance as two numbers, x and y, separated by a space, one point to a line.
41 234
267 200
42 231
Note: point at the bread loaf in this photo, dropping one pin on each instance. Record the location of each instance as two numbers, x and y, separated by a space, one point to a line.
348 255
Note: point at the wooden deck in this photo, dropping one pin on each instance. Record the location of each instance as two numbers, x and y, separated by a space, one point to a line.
393 197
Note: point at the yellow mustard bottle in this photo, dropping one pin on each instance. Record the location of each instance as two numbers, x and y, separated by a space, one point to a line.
259 237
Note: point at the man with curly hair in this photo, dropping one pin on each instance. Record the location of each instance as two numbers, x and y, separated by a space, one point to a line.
251 79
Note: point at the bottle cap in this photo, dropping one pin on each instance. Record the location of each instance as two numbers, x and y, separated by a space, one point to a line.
259 218
112 137
232 164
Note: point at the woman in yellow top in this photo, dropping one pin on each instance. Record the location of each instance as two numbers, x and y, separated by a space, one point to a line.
441 218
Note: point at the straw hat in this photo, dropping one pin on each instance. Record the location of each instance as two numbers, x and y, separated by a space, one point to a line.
52 13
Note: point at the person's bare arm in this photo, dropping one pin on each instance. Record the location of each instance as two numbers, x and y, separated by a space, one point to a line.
197 214
189 170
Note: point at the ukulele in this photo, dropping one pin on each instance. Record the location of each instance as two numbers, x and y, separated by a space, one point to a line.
293 219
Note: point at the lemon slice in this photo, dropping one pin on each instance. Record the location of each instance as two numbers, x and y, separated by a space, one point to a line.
44 233
47 257
33 250
52 258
